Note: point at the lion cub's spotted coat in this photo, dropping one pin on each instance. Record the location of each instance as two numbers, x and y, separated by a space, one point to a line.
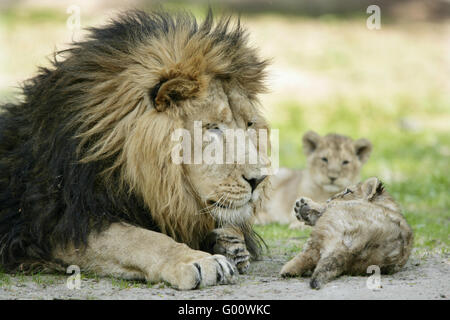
333 163
357 228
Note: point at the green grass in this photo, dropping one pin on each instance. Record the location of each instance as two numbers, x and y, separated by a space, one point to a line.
5 280
413 164
359 83
42 280
20 278
281 240
129 284
14 17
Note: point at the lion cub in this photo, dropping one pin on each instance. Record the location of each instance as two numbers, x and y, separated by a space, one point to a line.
356 228
333 163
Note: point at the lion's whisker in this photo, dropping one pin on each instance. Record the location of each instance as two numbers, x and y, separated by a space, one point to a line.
206 209
220 223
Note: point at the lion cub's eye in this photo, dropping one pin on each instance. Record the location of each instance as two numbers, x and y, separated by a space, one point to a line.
250 123
345 162
324 159
347 191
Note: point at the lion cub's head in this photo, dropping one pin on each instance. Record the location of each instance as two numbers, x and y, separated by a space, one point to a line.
335 161
356 196
371 190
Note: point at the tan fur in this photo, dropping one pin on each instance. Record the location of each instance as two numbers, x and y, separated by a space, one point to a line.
141 134
123 251
197 78
314 181
357 228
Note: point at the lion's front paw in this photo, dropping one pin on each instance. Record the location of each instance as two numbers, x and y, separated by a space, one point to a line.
207 271
236 252
232 245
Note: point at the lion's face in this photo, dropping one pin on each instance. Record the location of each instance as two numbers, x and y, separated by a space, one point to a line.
229 190
163 75
335 161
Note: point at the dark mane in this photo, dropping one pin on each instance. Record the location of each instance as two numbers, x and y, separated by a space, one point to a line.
48 197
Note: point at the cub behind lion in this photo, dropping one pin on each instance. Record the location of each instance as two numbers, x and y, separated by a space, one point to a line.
333 162
357 228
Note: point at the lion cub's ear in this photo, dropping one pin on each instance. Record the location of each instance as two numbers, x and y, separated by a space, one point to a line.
371 188
168 92
310 142
363 148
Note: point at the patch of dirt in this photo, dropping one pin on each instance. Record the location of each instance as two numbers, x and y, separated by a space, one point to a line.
422 278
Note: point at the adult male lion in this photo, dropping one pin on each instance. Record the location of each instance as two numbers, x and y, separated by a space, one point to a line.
86 174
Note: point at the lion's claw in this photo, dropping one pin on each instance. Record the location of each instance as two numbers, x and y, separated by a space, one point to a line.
208 271
232 245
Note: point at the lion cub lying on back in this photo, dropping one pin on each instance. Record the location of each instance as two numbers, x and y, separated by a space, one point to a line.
333 163
356 228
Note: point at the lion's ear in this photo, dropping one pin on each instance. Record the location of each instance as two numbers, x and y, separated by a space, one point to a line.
167 93
371 188
310 142
363 148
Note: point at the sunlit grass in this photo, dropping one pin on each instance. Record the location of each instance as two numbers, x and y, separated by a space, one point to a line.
331 75
5 280
13 16
413 164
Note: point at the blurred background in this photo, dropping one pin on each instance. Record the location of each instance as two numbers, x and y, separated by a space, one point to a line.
329 73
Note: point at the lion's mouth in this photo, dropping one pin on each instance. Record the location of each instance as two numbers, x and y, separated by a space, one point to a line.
230 211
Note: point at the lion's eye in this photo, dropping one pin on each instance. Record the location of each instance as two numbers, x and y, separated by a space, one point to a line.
250 123
345 162
212 127
324 159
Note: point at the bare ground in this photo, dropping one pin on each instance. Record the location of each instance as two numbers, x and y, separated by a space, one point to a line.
422 278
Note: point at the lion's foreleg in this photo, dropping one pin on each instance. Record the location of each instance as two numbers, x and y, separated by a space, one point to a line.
230 242
131 252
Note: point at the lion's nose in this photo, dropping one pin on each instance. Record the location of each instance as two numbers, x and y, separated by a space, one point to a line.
254 182
333 179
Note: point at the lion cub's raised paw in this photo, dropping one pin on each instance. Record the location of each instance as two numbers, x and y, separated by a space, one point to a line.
231 244
308 211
